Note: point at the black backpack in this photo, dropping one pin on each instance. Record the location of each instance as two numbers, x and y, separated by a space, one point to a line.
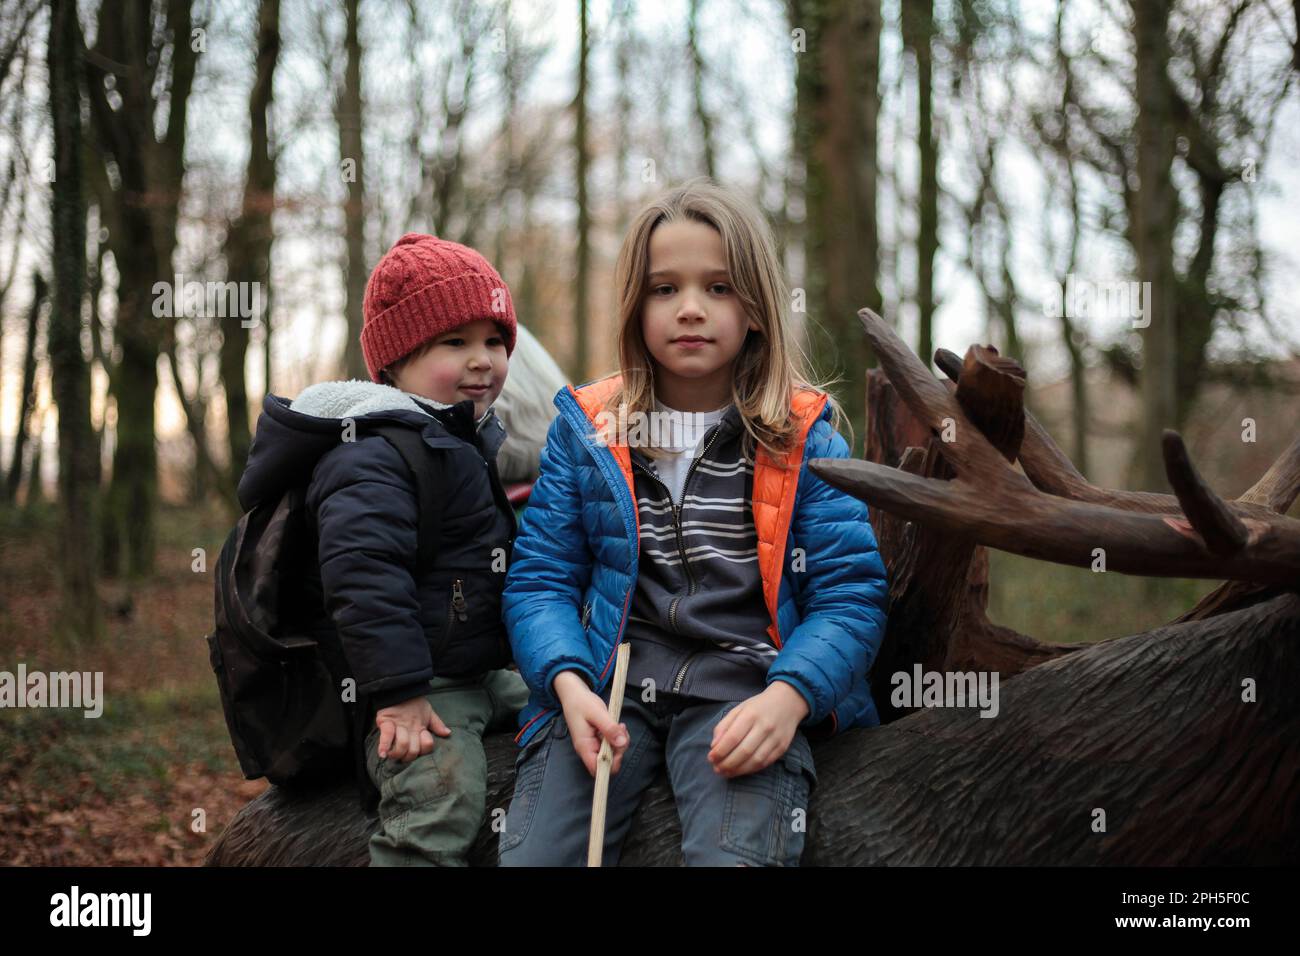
281 689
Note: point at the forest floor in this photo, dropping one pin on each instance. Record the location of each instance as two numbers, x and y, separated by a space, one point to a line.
154 780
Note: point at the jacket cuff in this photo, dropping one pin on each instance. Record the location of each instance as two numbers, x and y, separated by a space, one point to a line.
812 719
391 696
549 683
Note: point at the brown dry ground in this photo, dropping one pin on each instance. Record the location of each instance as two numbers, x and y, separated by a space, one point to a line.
123 788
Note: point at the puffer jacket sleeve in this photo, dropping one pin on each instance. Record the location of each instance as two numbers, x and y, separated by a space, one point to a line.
549 572
364 500
843 591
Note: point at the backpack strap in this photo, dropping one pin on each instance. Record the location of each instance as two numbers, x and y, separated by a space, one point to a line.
417 454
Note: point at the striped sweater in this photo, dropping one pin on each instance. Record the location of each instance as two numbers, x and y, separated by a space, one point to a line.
698 622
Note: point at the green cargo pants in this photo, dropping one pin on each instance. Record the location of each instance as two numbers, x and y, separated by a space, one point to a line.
431 809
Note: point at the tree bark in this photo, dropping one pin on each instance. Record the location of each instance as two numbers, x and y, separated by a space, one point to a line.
27 395
1072 336
835 136
918 30
1156 215
1150 730
248 244
351 148
141 214
581 353
938 582
121 48
702 116
79 615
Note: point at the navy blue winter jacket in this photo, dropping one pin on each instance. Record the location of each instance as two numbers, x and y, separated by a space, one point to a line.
398 628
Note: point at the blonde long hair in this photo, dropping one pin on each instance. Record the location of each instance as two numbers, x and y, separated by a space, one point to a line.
771 365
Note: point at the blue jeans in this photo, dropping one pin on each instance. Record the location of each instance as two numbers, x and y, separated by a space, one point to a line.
755 820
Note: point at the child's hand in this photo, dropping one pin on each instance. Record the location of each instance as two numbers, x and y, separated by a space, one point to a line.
758 731
589 721
404 729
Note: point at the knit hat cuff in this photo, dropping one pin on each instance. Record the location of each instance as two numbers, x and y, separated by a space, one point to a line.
437 308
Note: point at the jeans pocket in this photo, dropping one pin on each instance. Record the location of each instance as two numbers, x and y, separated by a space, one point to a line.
765 815
798 757
530 766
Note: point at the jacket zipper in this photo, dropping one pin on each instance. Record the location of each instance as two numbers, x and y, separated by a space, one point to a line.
681 544
456 609
681 674
681 547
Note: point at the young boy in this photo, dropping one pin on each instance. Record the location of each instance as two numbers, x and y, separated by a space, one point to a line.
428 650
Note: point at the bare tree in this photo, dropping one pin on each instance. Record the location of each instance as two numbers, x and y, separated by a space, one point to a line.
27 391
1054 128
702 116
581 308
141 68
1201 114
917 22
977 75
248 243
835 136
624 53
77 552
1155 214
349 113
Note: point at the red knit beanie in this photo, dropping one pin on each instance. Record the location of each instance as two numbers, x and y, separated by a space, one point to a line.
425 286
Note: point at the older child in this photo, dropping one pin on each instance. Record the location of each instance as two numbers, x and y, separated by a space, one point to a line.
752 592
427 648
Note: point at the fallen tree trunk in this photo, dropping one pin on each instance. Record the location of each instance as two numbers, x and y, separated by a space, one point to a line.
1139 750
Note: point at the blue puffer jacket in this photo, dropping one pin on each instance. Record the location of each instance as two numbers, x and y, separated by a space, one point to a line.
575 568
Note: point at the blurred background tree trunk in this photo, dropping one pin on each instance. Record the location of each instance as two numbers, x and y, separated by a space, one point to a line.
27 390
248 243
78 550
917 23
138 197
581 305
835 138
708 154
1155 217
352 154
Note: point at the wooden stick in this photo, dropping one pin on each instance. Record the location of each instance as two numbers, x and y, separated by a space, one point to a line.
605 760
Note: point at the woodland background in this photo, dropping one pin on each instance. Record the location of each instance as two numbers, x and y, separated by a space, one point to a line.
942 162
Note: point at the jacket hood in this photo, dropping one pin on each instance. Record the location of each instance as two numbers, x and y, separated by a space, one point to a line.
292 436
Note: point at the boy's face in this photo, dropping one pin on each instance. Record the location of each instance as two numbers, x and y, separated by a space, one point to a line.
467 362
693 321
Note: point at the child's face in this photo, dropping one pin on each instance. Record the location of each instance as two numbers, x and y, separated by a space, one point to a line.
467 362
693 321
